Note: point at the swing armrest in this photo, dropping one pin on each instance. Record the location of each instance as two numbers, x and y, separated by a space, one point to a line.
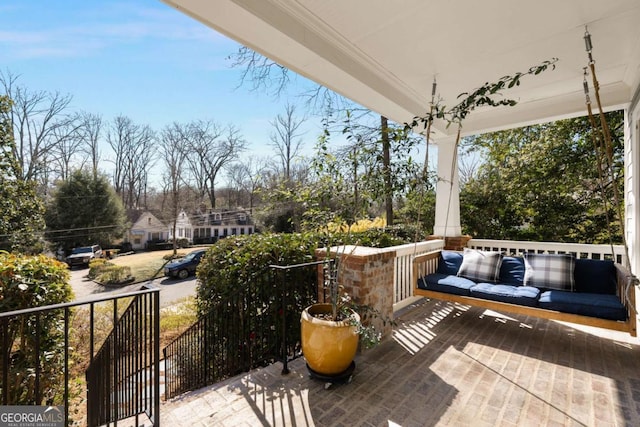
425 264
625 290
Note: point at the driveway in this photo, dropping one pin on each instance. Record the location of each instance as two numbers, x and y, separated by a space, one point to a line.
171 290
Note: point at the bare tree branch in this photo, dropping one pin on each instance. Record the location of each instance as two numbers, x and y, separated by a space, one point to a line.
248 176
210 149
261 72
36 117
133 147
285 139
173 152
91 132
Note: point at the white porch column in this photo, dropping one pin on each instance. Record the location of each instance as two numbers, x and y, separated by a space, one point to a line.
447 221
632 217
631 187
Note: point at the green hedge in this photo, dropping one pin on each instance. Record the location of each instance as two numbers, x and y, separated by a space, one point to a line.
236 262
32 281
241 297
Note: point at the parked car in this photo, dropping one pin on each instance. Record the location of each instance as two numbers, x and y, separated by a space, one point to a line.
183 267
83 255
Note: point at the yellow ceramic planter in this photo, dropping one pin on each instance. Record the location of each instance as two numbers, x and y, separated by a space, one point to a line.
328 347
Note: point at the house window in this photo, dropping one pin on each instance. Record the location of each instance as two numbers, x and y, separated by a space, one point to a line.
149 220
225 232
216 232
137 241
241 230
233 231
215 218
202 232
155 236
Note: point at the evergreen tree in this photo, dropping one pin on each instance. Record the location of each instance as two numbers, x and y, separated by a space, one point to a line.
85 210
21 211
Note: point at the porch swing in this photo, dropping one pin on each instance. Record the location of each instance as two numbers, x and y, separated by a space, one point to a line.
432 271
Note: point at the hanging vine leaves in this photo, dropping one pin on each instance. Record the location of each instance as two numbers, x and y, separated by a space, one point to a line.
485 95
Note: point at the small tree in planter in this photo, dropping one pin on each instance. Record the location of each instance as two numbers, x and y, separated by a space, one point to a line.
332 331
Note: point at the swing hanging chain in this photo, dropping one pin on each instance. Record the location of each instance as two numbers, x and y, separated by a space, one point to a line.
608 145
454 167
597 145
425 168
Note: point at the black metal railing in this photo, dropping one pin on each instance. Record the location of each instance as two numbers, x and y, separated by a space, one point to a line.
253 327
37 355
123 378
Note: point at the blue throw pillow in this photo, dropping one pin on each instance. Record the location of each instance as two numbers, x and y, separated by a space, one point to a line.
450 262
512 270
595 276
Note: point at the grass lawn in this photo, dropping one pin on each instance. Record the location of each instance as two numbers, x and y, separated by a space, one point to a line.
175 318
146 265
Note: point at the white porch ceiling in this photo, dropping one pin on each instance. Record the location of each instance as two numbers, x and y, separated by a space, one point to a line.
384 54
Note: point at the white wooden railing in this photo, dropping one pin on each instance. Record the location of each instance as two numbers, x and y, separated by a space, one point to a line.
403 280
512 247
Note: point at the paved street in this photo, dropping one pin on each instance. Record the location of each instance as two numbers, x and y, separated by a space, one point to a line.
171 290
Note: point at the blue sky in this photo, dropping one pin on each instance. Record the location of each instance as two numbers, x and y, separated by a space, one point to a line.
140 59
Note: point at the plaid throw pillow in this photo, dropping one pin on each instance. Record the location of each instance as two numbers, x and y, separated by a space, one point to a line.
550 271
480 266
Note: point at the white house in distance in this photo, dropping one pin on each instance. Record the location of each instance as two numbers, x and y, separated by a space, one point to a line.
183 227
204 226
145 229
209 225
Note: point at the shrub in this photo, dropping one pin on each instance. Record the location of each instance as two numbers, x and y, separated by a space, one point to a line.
235 285
107 273
32 281
379 237
384 237
237 263
114 274
96 266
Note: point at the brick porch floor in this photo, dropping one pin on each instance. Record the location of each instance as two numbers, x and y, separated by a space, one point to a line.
447 364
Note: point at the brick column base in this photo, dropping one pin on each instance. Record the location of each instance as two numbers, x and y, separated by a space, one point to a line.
456 243
367 275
